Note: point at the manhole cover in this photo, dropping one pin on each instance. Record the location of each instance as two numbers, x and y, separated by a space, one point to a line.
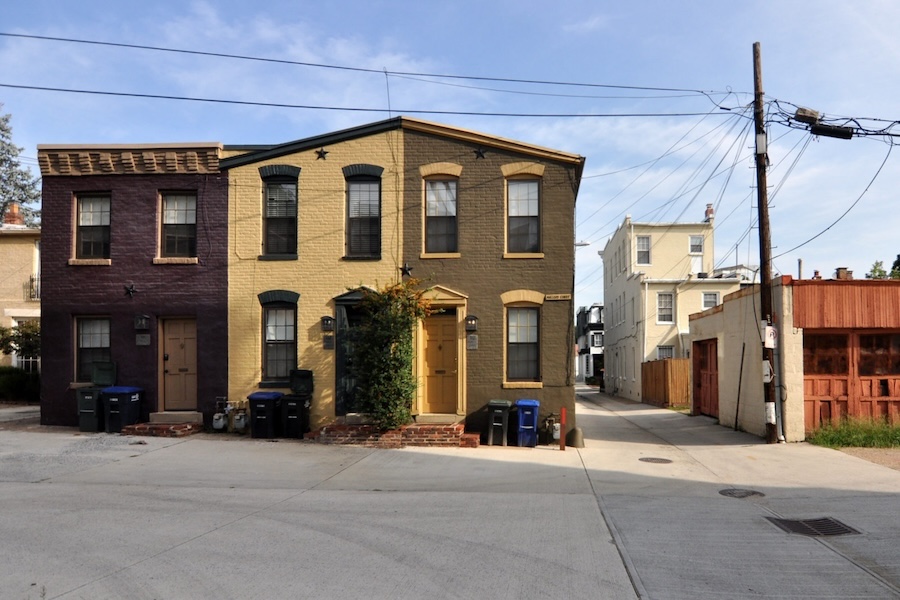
813 527
658 461
739 493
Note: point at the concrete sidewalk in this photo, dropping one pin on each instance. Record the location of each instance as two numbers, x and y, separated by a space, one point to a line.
214 516
697 527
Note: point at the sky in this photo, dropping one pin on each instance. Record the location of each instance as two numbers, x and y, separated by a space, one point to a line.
656 95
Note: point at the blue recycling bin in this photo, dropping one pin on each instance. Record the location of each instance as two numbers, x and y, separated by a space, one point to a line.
122 406
264 417
528 421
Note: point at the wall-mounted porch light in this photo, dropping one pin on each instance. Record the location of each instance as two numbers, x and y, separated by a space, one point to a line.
471 323
327 323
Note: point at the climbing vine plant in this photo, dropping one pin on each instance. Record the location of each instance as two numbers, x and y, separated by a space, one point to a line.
383 351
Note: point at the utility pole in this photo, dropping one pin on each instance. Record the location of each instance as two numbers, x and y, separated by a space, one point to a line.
765 246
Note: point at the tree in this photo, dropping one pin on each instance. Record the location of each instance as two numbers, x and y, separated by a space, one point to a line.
895 269
877 271
383 352
16 183
24 339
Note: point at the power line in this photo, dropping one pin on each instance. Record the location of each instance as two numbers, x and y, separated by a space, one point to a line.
343 108
706 93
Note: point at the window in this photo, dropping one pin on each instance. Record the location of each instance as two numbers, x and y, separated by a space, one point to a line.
281 217
524 231
93 346
92 235
440 216
363 211
280 342
643 249
696 244
665 304
664 352
879 354
826 354
279 211
522 355
710 299
179 231
597 340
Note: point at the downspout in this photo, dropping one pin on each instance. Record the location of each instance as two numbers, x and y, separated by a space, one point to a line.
779 360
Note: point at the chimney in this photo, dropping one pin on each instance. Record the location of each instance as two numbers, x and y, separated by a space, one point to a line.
816 274
13 216
709 213
843 273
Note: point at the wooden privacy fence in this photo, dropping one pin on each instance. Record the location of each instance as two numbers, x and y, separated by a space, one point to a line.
666 382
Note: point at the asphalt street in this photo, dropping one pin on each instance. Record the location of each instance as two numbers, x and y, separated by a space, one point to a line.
656 505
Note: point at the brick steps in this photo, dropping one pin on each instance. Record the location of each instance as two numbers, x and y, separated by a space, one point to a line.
162 429
419 434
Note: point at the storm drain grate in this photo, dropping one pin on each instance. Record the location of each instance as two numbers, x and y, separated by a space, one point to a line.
658 461
740 493
813 527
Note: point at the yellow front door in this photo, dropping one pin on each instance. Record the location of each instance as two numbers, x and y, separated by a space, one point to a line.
180 364
441 365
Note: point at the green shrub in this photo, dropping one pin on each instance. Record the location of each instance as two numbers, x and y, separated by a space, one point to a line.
383 352
857 433
18 386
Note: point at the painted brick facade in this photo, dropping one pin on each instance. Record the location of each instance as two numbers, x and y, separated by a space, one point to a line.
161 291
320 272
483 272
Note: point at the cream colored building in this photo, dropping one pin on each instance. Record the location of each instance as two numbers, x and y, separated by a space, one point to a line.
20 288
655 276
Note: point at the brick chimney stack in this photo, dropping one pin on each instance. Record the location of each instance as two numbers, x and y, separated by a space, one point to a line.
843 273
709 213
13 215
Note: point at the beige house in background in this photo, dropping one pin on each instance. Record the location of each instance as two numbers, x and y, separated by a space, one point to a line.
656 275
20 288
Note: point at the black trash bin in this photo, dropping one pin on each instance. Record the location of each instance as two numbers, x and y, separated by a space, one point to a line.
122 406
294 415
528 421
295 406
90 404
264 414
498 418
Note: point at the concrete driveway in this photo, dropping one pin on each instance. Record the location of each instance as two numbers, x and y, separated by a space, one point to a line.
106 516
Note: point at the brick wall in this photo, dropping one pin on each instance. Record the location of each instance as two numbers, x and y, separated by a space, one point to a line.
186 291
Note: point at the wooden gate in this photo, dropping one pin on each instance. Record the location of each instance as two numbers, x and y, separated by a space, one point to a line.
666 382
706 378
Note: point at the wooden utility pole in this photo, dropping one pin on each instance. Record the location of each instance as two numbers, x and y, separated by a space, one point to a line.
765 246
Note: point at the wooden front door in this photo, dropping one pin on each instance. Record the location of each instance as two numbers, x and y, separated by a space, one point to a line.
441 365
706 378
179 364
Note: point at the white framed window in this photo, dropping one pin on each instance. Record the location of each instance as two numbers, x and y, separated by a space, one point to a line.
92 346
524 216
179 224
523 344
440 216
664 352
92 233
665 307
597 340
696 244
710 299
643 249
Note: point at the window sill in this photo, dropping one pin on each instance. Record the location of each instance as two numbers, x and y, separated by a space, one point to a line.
90 262
440 255
277 257
523 255
378 257
274 384
523 385
176 260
